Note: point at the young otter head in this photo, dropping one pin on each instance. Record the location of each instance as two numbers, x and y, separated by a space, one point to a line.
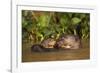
68 42
48 43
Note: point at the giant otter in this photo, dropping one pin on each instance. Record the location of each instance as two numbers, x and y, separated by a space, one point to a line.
68 42
45 46
62 43
48 43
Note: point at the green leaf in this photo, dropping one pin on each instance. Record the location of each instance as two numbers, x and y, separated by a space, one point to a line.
75 20
24 23
82 16
43 21
63 21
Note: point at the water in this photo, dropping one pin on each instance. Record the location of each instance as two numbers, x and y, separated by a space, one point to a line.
79 54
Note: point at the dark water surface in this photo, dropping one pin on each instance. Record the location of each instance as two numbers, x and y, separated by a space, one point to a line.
79 54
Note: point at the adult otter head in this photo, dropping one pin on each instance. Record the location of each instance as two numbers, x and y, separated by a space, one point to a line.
68 42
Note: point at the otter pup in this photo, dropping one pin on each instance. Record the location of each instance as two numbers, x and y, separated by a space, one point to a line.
48 43
45 46
68 42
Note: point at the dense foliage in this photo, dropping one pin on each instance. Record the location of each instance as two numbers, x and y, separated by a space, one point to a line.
39 25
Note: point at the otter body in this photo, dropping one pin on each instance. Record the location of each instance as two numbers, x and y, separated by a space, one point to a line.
64 42
39 48
68 42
